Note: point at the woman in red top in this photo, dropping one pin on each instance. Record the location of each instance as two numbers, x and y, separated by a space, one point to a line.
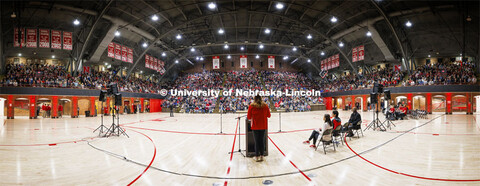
258 112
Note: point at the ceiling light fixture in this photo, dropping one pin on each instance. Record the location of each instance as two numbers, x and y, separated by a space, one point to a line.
309 36
369 33
76 22
117 33
267 31
145 45
261 46
221 31
294 49
257 56
408 24
164 54
212 5
179 36
154 17
225 46
322 53
333 20
279 6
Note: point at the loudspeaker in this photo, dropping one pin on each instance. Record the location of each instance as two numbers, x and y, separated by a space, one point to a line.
118 99
377 88
373 98
387 94
112 89
102 96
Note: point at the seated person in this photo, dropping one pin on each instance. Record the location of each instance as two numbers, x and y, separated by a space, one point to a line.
402 112
315 133
336 120
391 113
355 118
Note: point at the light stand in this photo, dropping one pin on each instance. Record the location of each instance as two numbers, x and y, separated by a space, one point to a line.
376 123
221 123
115 129
101 127
387 122
239 142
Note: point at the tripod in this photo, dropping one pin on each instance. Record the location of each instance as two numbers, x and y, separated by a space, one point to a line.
239 142
376 123
115 129
101 127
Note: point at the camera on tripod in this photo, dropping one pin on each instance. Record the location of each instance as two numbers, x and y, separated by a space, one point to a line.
374 95
115 129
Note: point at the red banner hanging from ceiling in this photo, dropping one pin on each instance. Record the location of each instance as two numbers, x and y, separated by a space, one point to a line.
354 54
361 53
147 61
15 38
243 62
216 62
32 38
44 38
118 52
56 39
271 62
129 55
67 40
111 50
124 53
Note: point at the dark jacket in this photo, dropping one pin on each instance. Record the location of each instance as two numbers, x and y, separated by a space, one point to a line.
355 118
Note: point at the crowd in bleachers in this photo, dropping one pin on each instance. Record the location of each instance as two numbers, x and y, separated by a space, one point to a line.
38 75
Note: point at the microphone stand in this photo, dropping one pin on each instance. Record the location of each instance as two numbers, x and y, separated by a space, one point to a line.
239 142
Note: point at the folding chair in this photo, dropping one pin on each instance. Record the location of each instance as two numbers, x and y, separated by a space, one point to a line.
336 134
356 128
326 140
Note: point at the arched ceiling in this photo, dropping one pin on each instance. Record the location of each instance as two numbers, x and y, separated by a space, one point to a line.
437 28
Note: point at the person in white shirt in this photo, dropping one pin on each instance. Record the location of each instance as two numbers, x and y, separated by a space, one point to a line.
316 132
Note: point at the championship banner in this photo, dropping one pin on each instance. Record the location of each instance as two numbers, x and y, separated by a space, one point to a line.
67 41
162 67
118 52
56 39
354 55
159 65
32 38
329 63
322 65
337 60
155 65
216 62
243 61
147 62
44 38
271 61
15 37
129 55
124 53
361 53
111 50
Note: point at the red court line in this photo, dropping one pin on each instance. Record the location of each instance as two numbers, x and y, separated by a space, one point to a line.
151 161
405 174
45 144
210 133
308 178
231 153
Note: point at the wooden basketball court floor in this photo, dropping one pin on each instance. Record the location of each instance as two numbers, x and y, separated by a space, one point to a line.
187 150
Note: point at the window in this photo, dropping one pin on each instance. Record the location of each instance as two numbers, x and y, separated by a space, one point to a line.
16 60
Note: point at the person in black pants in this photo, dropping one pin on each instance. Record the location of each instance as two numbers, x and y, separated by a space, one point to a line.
354 119
258 114
171 110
